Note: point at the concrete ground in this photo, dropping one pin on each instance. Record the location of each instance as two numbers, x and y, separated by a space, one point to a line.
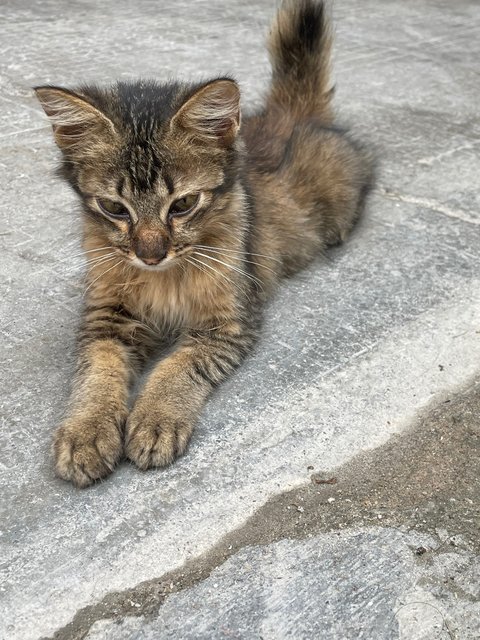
332 488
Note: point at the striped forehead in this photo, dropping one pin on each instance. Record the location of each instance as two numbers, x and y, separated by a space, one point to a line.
143 166
143 176
144 108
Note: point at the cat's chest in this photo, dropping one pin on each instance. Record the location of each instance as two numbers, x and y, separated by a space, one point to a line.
164 301
176 300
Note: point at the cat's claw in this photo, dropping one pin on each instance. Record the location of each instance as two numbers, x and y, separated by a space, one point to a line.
155 439
86 450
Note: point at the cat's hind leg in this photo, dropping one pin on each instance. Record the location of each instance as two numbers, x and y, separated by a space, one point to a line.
329 176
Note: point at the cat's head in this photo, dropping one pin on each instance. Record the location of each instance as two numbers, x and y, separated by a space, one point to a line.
154 165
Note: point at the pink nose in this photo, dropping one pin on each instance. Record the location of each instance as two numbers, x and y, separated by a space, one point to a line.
151 257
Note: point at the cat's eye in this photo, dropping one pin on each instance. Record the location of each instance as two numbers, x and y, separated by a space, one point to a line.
184 205
112 208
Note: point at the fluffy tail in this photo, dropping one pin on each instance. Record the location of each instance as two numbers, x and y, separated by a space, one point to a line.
299 46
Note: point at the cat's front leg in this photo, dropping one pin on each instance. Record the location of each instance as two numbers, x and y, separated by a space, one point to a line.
89 442
163 418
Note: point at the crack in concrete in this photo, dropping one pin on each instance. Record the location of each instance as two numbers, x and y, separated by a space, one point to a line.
433 205
429 160
425 479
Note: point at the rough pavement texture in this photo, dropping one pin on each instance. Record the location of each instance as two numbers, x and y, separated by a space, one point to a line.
366 371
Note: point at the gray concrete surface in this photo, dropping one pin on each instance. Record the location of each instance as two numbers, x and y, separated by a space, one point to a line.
367 370
325 587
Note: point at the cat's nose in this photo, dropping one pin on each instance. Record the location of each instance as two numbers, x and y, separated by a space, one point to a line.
154 260
150 246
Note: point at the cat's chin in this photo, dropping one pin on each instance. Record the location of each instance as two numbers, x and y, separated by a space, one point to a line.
162 266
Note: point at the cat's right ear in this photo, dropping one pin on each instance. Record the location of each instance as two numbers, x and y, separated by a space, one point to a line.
212 113
74 120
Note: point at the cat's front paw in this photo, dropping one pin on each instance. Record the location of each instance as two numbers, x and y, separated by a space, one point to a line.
87 449
155 437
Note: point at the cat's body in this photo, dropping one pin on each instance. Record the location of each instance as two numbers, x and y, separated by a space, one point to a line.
190 221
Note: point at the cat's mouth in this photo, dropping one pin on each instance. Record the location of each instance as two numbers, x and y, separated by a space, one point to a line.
157 264
162 265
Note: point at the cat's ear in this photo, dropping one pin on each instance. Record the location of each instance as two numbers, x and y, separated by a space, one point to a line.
212 113
75 121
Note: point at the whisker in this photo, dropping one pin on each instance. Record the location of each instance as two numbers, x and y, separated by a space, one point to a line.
201 269
260 255
197 267
99 258
98 264
182 267
109 246
242 290
93 263
258 282
100 276
239 258
222 275
79 263
81 254
193 261
129 283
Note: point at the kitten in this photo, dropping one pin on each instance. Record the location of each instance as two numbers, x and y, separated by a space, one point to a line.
190 219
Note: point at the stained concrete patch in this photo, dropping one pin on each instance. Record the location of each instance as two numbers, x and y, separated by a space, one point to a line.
344 586
423 487
327 586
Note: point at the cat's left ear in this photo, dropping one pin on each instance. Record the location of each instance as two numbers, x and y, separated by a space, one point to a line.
76 122
212 113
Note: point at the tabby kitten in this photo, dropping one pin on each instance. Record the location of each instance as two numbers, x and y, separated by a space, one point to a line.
190 219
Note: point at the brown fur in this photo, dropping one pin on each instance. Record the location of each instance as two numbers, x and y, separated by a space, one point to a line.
275 192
